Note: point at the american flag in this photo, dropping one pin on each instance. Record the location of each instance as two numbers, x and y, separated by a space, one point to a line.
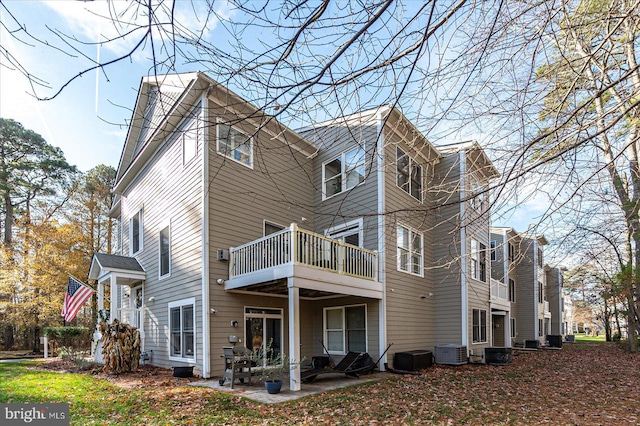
77 295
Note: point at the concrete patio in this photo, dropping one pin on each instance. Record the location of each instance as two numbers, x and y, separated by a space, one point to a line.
257 392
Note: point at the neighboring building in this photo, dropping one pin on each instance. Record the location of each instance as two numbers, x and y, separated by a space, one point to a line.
555 296
350 234
519 265
460 264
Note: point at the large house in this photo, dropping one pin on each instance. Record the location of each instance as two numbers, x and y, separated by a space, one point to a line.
347 235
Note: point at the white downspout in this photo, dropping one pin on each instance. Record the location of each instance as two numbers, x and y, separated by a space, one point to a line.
206 316
464 297
382 278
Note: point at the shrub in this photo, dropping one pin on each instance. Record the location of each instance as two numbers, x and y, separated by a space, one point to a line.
71 339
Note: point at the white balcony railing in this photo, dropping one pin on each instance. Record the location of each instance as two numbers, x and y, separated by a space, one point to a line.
546 307
499 290
298 246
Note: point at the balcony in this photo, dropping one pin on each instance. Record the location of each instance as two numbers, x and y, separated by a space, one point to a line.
316 262
500 295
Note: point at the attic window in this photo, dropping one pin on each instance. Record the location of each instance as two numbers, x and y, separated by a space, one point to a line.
234 144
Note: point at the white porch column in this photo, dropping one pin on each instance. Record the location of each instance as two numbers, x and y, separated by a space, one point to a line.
294 335
100 296
113 307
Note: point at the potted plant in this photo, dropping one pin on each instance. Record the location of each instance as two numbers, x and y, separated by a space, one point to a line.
271 366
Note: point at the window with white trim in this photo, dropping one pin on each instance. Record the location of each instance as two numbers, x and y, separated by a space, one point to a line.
272 228
511 252
343 173
478 193
540 327
493 251
540 292
408 174
350 232
190 138
182 338
165 252
234 144
478 261
136 233
512 290
513 328
410 250
345 329
479 326
539 257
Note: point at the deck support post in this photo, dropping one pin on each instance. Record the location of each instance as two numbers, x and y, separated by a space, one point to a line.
294 335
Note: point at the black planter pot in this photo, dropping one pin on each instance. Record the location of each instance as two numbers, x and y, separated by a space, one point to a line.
273 386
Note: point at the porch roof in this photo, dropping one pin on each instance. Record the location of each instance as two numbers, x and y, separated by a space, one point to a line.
126 269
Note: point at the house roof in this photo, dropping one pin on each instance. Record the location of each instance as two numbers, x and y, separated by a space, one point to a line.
394 121
163 102
477 154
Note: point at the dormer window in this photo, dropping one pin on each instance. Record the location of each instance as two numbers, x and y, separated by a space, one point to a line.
343 173
408 175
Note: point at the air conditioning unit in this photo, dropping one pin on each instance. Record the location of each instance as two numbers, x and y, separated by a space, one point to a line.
451 354
498 355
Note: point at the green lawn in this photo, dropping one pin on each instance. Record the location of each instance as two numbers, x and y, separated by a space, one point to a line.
581 337
95 401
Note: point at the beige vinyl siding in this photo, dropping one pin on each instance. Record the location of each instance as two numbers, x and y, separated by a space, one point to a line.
358 202
497 266
526 291
447 251
554 293
277 189
410 308
168 193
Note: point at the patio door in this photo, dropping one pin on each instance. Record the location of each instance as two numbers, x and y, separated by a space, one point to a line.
263 333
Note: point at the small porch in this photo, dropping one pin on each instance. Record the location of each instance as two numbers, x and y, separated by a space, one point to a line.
302 265
120 284
500 314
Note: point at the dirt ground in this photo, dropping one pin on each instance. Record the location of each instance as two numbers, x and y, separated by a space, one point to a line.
146 376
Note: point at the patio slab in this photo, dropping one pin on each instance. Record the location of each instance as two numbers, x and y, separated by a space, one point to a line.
257 392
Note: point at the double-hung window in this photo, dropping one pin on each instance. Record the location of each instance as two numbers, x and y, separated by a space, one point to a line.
234 144
165 252
190 139
540 292
408 174
514 332
182 342
479 326
478 194
539 257
135 233
512 252
512 290
410 250
493 251
343 173
345 329
478 261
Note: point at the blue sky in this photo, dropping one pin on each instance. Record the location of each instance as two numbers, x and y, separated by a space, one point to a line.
88 119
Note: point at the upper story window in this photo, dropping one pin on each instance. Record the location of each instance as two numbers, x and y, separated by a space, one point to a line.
408 174
493 251
234 144
478 261
165 252
512 290
135 233
343 172
512 252
410 251
190 138
540 292
272 228
478 193
539 257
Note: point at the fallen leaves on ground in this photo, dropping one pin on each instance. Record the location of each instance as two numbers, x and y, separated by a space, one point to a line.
582 384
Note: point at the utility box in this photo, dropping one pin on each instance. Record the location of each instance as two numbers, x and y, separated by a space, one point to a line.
498 355
555 340
413 360
451 354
